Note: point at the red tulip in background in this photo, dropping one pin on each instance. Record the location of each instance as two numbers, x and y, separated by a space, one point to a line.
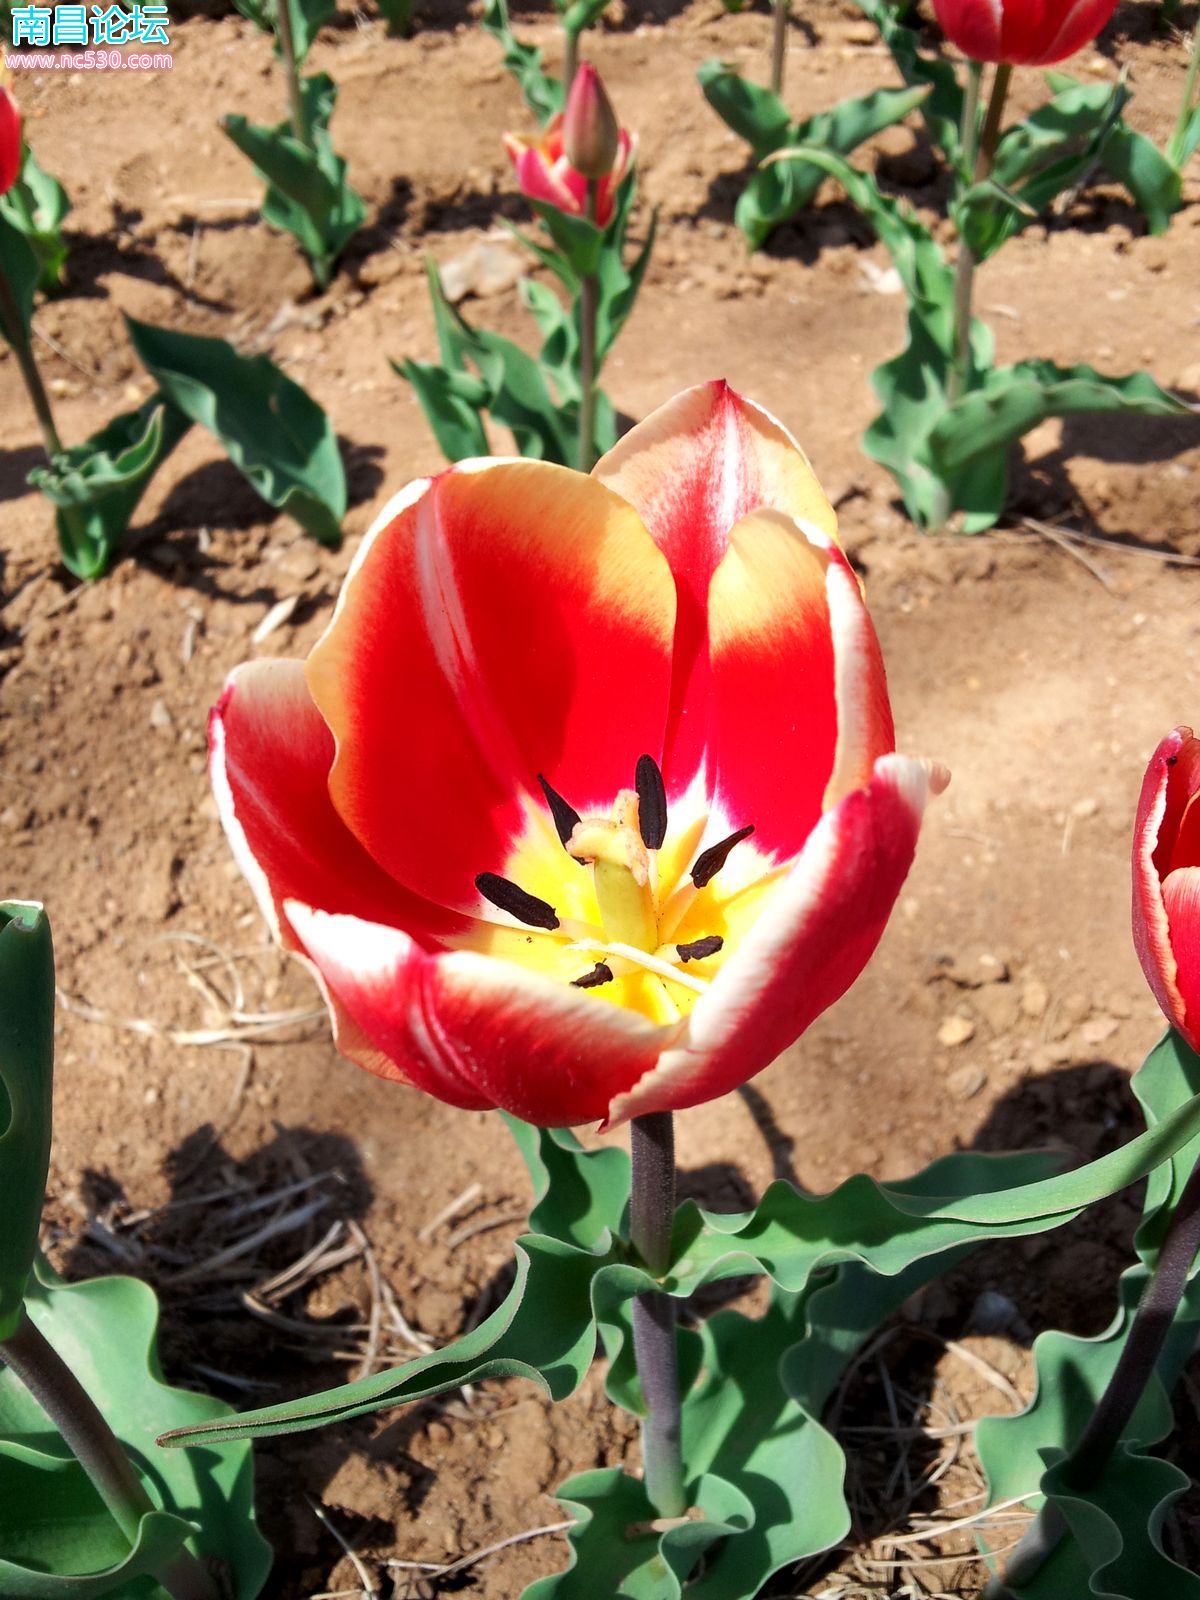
1166 880
10 141
585 804
543 170
1022 33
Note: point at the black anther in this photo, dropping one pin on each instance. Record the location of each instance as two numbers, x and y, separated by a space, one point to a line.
709 862
512 898
699 948
652 802
565 815
599 974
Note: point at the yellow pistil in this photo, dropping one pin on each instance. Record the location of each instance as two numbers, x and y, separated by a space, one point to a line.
614 849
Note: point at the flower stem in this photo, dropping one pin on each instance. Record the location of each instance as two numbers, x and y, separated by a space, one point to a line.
287 49
978 159
779 44
570 58
1175 143
97 1449
589 296
1152 1322
14 332
651 1213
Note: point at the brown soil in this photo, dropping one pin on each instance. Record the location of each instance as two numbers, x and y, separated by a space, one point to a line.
1042 674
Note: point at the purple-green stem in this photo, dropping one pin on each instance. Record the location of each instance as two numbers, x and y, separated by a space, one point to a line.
97 1449
287 49
14 332
1114 1410
651 1213
570 59
779 44
589 295
1175 143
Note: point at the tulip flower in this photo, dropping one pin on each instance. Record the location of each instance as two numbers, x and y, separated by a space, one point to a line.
544 172
1166 880
10 141
585 805
1022 33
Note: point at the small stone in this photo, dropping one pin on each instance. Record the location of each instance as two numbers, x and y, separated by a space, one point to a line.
160 717
16 819
1035 997
966 1082
1097 1029
994 1313
955 1030
972 967
1085 808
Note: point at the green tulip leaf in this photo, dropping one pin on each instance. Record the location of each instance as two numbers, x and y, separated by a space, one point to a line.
776 191
579 240
1106 1541
580 14
308 194
19 264
1015 399
510 387
578 1194
274 432
544 1331
97 485
543 94
26 1093
57 1537
1154 181
37 205
1185 139
943 108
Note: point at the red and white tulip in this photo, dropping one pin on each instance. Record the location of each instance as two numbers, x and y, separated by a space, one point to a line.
543 171
1166 880
586 804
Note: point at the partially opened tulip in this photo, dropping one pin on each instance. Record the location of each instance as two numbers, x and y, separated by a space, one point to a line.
1022 33
545 174
585 805
1166 880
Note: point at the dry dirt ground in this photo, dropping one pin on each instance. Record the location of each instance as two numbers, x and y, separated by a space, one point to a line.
1042 672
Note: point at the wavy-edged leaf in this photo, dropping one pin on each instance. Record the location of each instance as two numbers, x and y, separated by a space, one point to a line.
1154 182
96 486
1113 1545
578 1194
454 418
50 1517
274 432
1015 399
543 1331
943 108
26 1093
755 114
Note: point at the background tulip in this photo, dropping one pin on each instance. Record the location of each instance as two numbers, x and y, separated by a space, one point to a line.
591 136
544 172
1022 33
584 806
10 141
1166 880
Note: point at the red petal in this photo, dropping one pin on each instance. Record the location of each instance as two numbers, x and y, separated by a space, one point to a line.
10 141
513 619
1171 778
1181 901
814 938
270 756
972 26
1040 35
693 469
799 700
475 1031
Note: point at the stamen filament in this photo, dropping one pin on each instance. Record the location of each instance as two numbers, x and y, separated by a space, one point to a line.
644 960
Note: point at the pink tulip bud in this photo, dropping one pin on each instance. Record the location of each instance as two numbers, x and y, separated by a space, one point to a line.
590 131
10 141
1166 881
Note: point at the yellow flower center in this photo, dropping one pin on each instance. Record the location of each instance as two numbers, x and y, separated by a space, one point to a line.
623 905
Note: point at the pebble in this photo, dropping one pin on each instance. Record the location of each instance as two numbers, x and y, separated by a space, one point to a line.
1035 997
966 1082
1097 1029
160 717
955 1030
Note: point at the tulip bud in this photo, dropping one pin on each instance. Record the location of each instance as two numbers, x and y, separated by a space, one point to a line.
590 131
1166 881
1028 33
